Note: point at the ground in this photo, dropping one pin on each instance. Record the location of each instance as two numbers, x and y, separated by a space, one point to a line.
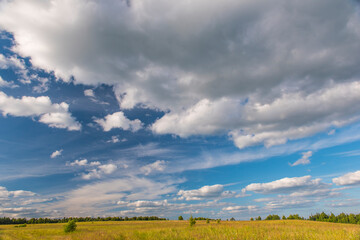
156 230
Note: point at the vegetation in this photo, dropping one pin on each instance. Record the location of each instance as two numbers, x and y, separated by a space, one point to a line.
272 217
178 230
180 218
207 220
70 226
7 220
341 218
192 221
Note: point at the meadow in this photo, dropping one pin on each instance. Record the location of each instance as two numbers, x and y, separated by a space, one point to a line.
156 230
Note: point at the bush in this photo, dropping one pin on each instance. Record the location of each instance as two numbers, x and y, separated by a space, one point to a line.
192 221
207 220
70 226
251 219
21 225
180 218
218 220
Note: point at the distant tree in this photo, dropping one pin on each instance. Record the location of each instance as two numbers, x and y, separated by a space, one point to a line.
283 217
272 217
218 220
232 219
180 218
207 220
251 219
70 226
192 221
258 218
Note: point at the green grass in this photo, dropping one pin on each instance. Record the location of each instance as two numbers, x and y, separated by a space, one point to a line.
157 230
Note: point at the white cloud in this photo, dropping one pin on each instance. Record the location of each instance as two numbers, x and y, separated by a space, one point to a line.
55 115
115 139
305 159
89 93
205 192
286 185
157 166
108 168
100 171
4 83
5 194
95 163
152 204
56 153
118 120
82 162
239 208
351 178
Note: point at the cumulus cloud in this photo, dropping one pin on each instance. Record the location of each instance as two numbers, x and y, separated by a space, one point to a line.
202 60
205 192
286 185
352 178
4 83
305 159
157 166
100 171
56 153
82 162
118 120
53 114
89 93
5 194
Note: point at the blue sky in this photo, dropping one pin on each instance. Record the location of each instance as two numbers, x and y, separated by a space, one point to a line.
223 109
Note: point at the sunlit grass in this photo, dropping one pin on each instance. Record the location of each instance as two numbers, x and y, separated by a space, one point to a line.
157 230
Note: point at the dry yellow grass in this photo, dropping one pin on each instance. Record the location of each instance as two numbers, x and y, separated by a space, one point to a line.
156 230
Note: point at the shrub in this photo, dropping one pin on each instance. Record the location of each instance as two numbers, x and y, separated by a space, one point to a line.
70 226
251 219
180 218
192 221
207 220
218 220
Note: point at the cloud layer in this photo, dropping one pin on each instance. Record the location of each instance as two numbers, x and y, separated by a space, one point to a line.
214 67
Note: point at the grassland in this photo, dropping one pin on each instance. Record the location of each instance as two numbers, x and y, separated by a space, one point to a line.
282 229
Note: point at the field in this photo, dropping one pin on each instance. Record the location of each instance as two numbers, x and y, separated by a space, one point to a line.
282 229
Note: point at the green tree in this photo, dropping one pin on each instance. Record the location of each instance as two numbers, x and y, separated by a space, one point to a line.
192 221
207 220
258 218
251 219
180 218
70 226
218 220
232 219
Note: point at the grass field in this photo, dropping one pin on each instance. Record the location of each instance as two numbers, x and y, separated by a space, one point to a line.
287 229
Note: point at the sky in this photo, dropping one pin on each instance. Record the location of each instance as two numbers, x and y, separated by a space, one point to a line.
217 109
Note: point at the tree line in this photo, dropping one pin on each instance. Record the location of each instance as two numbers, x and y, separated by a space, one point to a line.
7 220
322 217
